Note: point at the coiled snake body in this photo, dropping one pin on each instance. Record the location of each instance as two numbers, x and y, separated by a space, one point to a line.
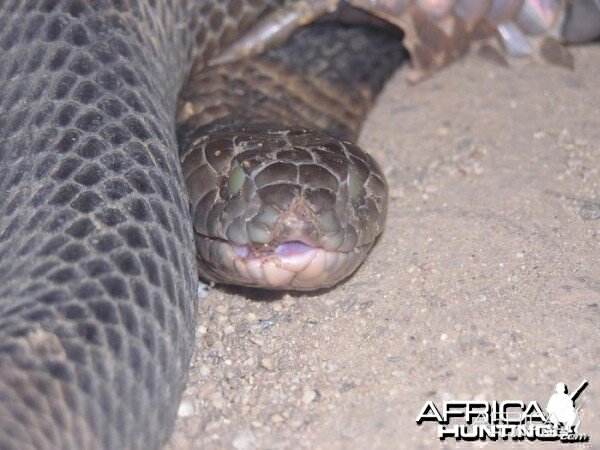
98 263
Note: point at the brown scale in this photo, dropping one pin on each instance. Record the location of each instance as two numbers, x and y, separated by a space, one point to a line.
439 31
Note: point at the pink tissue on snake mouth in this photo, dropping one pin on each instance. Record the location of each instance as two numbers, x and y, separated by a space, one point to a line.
292 248
286 249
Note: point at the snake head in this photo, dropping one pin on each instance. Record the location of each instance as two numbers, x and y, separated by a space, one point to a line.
282 208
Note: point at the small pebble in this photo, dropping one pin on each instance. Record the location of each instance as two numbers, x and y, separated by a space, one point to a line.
217 400
257 341
350 432
251 317
203 290
277 418
186 409
267 363
308 396
348 303
590 211
266 324
244 441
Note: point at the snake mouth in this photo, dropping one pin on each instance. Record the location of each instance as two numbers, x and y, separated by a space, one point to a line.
290 265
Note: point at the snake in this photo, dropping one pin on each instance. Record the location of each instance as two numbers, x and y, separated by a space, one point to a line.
147 143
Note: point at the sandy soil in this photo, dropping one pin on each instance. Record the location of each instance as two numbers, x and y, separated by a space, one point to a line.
485 285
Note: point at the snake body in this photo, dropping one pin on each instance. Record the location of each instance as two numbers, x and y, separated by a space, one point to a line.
98 264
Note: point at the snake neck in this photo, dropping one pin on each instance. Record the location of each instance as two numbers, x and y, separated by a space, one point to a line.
324 78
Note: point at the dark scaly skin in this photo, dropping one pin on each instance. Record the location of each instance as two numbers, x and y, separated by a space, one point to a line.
97 263
437 32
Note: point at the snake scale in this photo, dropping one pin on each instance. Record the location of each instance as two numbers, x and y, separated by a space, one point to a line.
98 252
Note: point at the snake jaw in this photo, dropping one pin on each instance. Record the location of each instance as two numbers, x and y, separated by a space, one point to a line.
278 267
288 265
295 258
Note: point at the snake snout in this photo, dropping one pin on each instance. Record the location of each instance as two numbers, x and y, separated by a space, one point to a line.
281 208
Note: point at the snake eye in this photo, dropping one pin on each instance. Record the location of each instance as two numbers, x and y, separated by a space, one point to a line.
235 180
354 183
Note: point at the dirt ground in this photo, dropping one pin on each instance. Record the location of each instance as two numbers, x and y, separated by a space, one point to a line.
485 284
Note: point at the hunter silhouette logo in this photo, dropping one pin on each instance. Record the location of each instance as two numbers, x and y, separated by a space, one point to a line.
561 408
509 419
